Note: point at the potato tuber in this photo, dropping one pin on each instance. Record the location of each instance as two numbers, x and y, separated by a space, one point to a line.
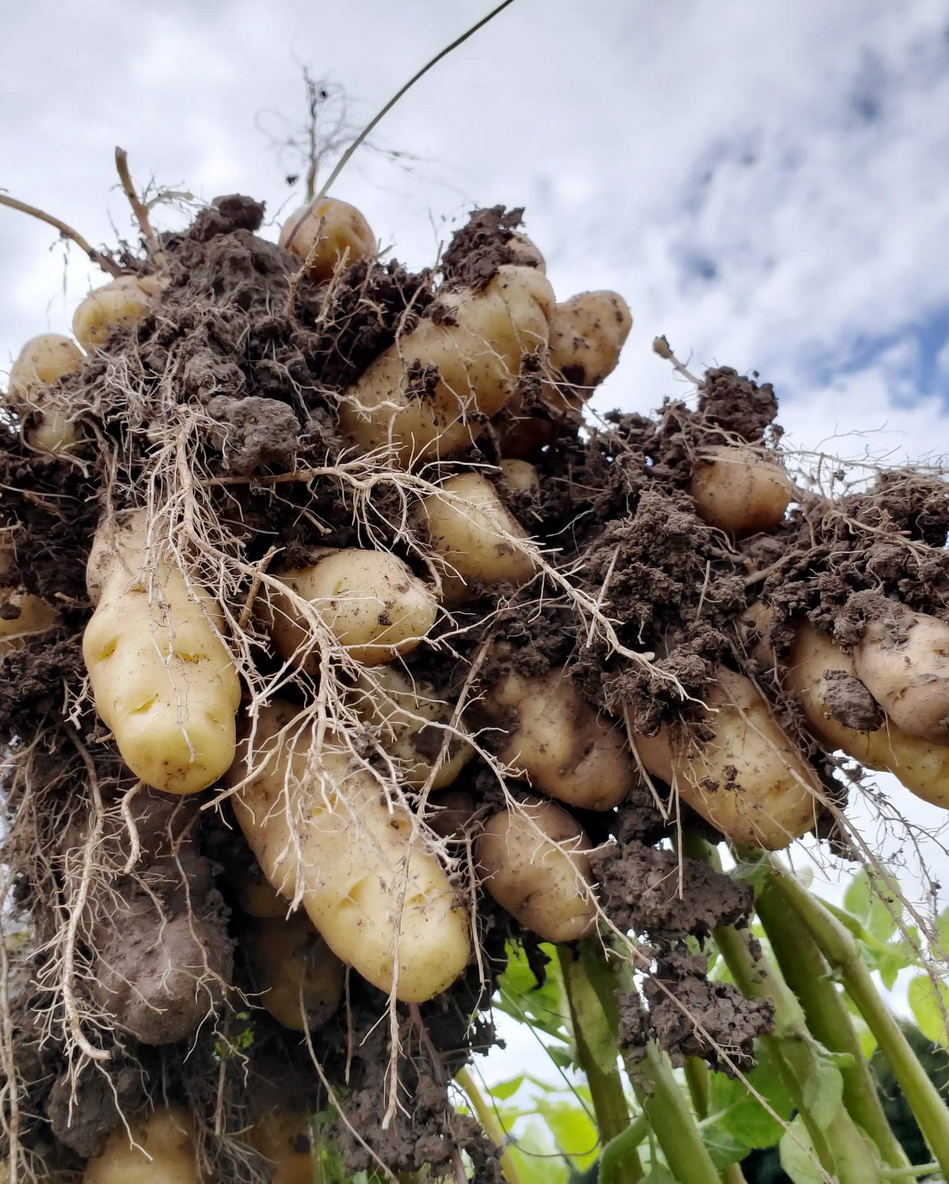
22 615
293 973
124 301
740 489
283 1137
328 234
42 361
158 1149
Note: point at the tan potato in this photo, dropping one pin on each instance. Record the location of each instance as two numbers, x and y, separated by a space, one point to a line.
520 476
328 234
430 394
372 888
587 333
903 660
124 301
474 537
254 893
559 743
450 813
408 713
284 1137
740 489
749 781
42 361
294 974
815 667
533 862
162 679
160 1151
526 252
32 615
369 600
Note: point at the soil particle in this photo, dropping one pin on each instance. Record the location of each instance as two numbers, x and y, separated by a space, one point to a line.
849 702
480 247
737 404
83 1114
254 433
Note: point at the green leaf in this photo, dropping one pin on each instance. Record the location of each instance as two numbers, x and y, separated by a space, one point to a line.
929 1003
722 1146
755 872
744 1115
507 1089
857 898
536 1159
573 1131
521 998
797 1155
823 1092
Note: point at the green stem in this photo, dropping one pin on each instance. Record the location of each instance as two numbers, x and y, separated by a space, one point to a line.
807 974
696 1078
618 1148
843 955
489 1122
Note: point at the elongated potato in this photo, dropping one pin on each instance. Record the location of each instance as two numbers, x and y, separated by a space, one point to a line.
559 743
369 600
749 781
534 864
903 660
42 361
382 901
408 713
474 537
21 616
296 976
430 394
162 679
124 301
328 234
284 1137
740 489
158 1149
817 672
520 476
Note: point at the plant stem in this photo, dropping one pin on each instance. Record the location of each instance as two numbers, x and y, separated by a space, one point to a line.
843 955
619 1148
489 1122
807 974
696 1078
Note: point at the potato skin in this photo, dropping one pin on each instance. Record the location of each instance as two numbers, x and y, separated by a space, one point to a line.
35 616
163 680
467 359
772 796
559 743
739 489
528 874
587 333
370 600
287 958
903 661
123 301
44 360
328 234
284 1137
164 1152
351 870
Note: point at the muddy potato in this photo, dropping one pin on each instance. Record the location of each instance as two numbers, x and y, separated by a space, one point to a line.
558 742
369 600
520 476
161 676
328 234
430 394
748 780
740 489
369 883
903 660
587 333
413 719
533 862
124 301
160 1151
284 1137
21 616
474 537
294 974
451 813
526 252
42 361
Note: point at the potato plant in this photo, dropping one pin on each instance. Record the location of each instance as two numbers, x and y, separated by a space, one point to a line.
352 683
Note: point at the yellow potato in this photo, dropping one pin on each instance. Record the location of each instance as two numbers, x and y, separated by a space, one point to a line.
370 885
124 301
740 489
34 615
749 781
430 394
328 234
520 476
161 1151
42 361
162 679
921 766
294 973
559 743
533 862
526 252
369 600
474 537
254 893
284 1137
408 712
587 333
903 660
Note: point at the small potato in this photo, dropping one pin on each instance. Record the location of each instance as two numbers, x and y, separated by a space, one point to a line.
292 968
474 536
903 660
284 1137
408 714
42 361
587 333
328 234
159 1151
749 781
162 679
526 252
533 862
369 600
254 893
559 743
124 301
816 669
370 885
450 813
740 489
520 476
21 616
430 394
